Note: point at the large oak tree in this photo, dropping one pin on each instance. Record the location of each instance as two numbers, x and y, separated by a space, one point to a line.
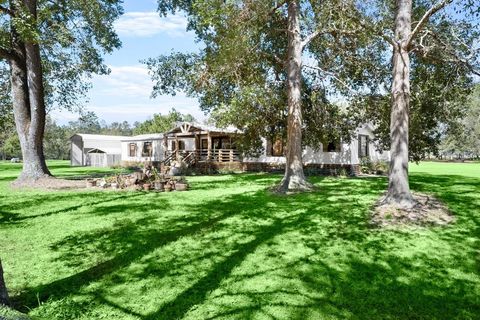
51 48
428 33
254 64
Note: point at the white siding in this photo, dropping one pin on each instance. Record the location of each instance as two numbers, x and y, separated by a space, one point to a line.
189 143
310 155
373 154
347 155
102 144
76 151
157 151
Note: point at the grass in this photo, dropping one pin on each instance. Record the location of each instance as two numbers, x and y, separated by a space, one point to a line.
228 249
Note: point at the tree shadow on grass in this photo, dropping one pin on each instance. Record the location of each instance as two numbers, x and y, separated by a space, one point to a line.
259 207
7 217
137 246
309 256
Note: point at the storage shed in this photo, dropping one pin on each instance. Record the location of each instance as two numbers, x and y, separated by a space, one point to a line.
95 150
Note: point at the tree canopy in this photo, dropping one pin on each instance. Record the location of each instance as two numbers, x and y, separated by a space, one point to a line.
162 123
51 48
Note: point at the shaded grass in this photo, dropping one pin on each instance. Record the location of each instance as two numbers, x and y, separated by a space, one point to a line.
229 249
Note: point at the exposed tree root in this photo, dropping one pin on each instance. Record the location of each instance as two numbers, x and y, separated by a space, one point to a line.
293 184
47 182
426 210
404 202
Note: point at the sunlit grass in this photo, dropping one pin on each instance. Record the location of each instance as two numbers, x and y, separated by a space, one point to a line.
229 249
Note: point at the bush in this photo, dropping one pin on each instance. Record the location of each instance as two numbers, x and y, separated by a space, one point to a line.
368 166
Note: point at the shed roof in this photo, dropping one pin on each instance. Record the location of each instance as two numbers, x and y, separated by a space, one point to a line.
88 136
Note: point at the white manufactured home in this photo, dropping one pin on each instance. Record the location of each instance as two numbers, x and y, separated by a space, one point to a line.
207 148
332 153
141 148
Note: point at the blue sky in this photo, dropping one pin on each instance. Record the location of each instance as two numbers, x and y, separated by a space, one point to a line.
124 94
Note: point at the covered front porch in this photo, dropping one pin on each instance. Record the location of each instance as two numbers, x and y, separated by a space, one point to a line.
192 143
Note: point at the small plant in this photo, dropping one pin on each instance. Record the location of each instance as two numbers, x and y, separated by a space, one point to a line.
111 179
157 176
381 167
342 172
366 165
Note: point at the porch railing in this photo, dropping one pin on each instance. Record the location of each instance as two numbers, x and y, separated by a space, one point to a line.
192 156
219 155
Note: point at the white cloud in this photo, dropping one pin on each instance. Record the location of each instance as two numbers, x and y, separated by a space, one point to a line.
126 81
147 24
124 94
142 110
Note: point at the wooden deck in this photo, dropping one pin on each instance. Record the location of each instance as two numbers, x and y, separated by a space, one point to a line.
190 157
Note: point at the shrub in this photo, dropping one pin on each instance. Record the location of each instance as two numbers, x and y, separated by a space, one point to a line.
368 166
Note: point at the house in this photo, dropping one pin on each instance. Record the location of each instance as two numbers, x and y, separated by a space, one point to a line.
141 148
201 143
331 157
208 148
95 150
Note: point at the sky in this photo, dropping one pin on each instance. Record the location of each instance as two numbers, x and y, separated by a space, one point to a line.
124 94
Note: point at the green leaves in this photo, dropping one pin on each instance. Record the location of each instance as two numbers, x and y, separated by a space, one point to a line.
73 35
162 123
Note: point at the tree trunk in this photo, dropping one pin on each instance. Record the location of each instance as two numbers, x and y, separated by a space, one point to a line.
398 187
4 300
294 179
29 104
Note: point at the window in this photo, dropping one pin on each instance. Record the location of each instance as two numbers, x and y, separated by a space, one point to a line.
362 145
132 149
147 149
332 146
181 145
204 144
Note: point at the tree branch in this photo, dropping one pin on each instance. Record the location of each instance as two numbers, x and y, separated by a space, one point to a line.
310 37
430 12
7 54
448 53
371 28
274 57
7 11
333 75
278 6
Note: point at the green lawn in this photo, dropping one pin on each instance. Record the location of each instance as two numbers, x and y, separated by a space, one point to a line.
228 249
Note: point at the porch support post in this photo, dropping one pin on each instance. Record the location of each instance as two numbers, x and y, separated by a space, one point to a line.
209 146
176 146
197 146
165 146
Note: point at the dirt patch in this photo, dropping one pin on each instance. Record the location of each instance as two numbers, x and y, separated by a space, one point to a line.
427 211
49 183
